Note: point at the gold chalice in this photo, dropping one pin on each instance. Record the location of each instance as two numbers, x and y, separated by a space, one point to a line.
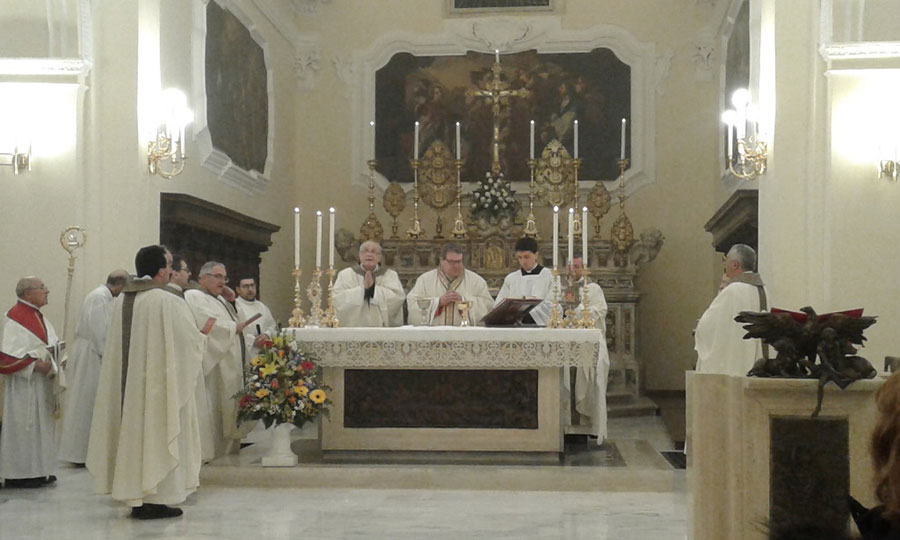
464 308
424 304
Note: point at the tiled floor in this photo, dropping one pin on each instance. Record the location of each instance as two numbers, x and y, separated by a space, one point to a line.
643 500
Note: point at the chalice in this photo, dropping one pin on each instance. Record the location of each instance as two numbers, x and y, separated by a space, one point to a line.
464 308
424 304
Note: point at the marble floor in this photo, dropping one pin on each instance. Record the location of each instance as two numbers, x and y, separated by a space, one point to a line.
644 499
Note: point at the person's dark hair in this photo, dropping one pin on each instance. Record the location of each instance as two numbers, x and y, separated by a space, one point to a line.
117 279
177 260
452 247
527 243
149 260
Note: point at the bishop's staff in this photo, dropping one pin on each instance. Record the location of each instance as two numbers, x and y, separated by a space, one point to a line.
72 239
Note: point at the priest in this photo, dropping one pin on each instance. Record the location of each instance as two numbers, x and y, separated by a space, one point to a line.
29 360
718 339
83 367
248 305
531 280
437 292
223 361
144 445
369 294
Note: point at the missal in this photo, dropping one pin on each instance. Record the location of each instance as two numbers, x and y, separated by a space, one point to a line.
510 312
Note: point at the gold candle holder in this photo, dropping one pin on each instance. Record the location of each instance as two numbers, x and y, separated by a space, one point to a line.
415 232
530 223
555 319
330 318
459 226
576 223
586 320
314 293
297 319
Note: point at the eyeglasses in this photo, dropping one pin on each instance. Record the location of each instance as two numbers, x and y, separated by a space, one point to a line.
223 277
41 288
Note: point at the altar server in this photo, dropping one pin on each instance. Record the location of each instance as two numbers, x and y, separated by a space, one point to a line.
440 290
369 294
144 445
531 280
28 359
223 361
248 305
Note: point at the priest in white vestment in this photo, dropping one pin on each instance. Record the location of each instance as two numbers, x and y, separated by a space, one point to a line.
369 294
248 305
440 289
718 339
83 367
223 362
531 280
28 361
144 445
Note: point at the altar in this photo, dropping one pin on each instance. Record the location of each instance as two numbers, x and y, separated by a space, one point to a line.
469 389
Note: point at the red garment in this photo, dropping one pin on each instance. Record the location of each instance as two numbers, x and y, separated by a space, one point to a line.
32 320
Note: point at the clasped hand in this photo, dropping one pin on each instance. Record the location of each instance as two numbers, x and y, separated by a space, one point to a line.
449 297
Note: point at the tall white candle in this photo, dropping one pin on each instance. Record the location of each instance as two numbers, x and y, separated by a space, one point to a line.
458 152
416 142
584 236
296 237
555 237
532 140
497 55
622 147
571 235
730 141
331 238
576 139
318 238
372 123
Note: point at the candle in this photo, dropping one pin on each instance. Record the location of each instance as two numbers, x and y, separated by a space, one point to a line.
584 236
416 142
296 237
555 236
318 239
458 153
730 142
571 236
532 140
576 139
622 148
372 123
497 55
331 238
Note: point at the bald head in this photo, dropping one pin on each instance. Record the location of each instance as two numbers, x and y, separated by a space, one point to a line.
32 290
116 280
369 255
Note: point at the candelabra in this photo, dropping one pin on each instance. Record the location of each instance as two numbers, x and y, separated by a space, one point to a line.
415 231
530 224
371 228
330 318
555 320
314 293
752 157
459 226
576 223
622 233
752 151
297 319
586 320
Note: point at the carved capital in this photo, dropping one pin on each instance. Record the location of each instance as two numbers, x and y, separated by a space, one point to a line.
307 6
661 70
346 71
703 55
306 64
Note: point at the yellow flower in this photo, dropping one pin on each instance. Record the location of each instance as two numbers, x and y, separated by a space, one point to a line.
301 390
278 341
268 369
262 393
317 396
256 361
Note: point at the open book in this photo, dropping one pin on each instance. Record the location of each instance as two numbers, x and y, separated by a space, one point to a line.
510 311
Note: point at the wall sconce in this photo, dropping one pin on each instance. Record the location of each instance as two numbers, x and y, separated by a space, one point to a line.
17 160
165 155
742 124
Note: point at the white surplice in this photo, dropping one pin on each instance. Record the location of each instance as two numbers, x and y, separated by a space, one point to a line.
429 286
384 308
264 325
83 372
145 445
28 438
590 384
222 374
719 340
540 285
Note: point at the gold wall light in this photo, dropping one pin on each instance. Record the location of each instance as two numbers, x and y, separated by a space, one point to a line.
19 161
166 155
743 127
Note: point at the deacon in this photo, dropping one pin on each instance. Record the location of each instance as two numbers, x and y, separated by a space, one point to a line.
590 383
181 275
247 306
369 294
83 367
718 339
144 446
531 280
28 352
446 285
223 361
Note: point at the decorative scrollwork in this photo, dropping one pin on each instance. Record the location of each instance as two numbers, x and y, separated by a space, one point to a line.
394 203
599 203
437 181
554 175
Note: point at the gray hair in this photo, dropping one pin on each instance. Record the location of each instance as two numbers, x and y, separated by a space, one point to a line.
373 242
207 267
744 255
24 284
117 278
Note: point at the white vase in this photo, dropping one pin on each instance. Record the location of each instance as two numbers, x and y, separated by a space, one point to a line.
280 454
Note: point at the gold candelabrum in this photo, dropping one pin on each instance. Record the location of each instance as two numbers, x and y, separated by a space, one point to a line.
586 320
297 319
530 223
752 157
459 226
415 231
314 293
576 222
330 319
555 320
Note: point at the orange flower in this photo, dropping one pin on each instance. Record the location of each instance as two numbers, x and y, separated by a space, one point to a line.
317 396
281 353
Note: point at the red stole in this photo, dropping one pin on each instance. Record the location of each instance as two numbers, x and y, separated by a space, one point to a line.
30 319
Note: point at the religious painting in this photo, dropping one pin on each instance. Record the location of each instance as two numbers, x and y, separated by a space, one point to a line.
554 90
464 6
237 102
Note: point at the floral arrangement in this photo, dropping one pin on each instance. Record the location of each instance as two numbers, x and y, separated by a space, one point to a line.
493 197
283 385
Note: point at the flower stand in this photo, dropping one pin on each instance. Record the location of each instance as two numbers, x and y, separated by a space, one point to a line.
280 454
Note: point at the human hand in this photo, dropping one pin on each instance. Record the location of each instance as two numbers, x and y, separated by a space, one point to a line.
449 297
228 293
369 279
42 366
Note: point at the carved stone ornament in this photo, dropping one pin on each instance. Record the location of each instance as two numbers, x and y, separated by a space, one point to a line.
437 176
501 34
306 64
371 229
554 175
621 235
394 202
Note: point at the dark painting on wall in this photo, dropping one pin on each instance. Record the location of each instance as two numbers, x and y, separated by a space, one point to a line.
237 103
592 87
499 4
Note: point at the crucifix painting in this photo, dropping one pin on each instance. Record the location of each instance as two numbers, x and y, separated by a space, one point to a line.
495 108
